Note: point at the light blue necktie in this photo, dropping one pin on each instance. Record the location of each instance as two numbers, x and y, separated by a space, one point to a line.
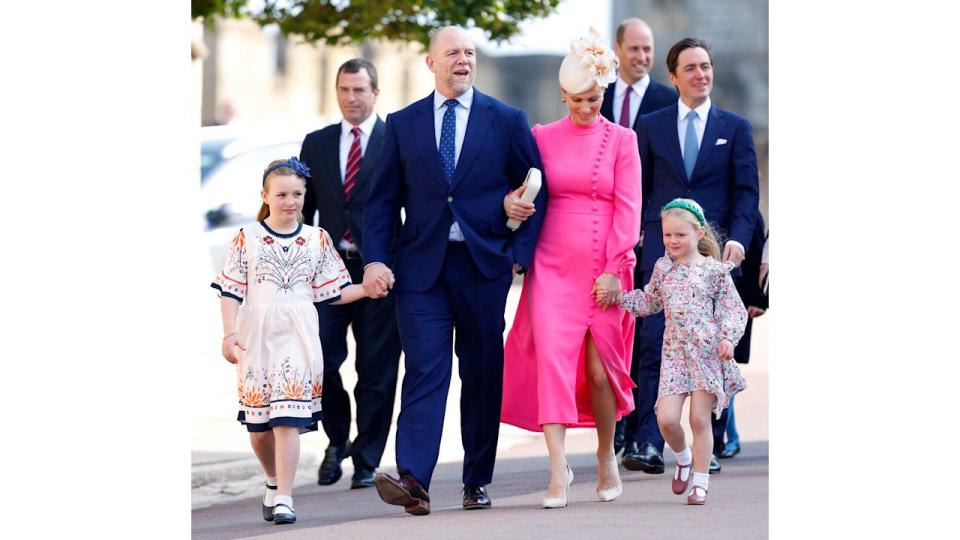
448 134
690 145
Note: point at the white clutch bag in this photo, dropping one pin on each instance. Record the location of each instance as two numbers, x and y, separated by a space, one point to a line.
534 182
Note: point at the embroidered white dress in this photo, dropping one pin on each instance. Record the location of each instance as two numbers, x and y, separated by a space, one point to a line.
278 277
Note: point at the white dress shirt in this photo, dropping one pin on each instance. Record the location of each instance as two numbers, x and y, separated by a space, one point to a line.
463 114
346 141
701 124
620 90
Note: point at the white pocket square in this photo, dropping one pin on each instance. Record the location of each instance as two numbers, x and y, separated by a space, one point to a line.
720 141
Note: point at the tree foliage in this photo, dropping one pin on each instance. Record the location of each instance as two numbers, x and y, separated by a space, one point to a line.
346 22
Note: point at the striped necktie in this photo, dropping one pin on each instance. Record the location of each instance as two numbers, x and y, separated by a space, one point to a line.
354 160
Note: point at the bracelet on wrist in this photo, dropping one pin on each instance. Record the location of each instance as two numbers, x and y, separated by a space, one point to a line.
229 335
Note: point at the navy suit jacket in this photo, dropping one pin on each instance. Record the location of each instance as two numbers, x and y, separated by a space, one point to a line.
321 152
655 98
724 179
497 151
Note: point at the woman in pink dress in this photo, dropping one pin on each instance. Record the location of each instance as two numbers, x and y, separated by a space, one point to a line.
566 359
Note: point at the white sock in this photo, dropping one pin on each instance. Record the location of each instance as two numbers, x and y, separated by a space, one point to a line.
701 479
283 499
269 494
684 458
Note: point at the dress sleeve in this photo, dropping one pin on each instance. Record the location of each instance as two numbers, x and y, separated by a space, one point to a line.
625 231
232 279
648 300
728 308
331 274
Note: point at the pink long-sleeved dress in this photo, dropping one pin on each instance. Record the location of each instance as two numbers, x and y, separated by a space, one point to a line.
591 225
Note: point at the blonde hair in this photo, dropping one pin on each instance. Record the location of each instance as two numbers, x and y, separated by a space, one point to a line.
709 245
264 212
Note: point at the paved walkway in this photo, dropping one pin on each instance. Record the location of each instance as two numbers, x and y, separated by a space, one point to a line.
226 480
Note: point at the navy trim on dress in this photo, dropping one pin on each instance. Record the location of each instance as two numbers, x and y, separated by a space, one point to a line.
224 293
328 300
303 424
279 235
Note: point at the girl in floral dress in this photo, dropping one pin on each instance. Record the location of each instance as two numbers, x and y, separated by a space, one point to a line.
275 270
705 319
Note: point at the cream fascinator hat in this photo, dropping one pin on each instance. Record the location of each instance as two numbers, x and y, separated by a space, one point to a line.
589 62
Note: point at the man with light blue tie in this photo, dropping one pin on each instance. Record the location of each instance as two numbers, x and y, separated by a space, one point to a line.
698 151
448 160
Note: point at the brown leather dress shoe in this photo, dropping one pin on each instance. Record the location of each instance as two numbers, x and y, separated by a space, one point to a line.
698 495
406 492
680 486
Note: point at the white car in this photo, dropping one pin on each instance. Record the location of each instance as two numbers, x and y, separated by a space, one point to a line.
232 167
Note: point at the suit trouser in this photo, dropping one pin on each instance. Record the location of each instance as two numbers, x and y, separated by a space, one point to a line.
377 361
741 354
629 425
648 375
463 299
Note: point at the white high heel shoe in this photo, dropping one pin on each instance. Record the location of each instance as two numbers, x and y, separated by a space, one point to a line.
607 495
560 502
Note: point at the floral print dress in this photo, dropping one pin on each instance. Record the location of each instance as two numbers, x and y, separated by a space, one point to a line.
702 307
278 277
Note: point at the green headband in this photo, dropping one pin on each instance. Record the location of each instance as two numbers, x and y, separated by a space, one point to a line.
680 203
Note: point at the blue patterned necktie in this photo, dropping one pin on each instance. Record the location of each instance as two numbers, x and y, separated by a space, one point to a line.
448 134
690 144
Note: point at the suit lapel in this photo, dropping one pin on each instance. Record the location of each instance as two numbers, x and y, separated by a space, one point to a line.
331 150
423 129
668 130
646 103
478 126
606 108
373 151
711 132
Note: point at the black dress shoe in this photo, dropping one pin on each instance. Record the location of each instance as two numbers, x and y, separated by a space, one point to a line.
619 439
362 478
406 492
629 448
330 470
647 459
731 449
714 464
475 498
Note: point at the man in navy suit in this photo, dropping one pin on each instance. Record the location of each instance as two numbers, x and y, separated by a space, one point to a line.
695 150
341 158
448 160
634 94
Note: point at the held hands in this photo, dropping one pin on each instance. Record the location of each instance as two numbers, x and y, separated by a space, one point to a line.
732 253
606 290
377 280
516 208
726 349
230 348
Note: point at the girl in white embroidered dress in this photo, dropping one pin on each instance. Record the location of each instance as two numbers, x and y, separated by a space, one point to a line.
274 272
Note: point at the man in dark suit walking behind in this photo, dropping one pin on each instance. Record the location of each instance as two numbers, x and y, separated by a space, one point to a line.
341 158
634 94
692 149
